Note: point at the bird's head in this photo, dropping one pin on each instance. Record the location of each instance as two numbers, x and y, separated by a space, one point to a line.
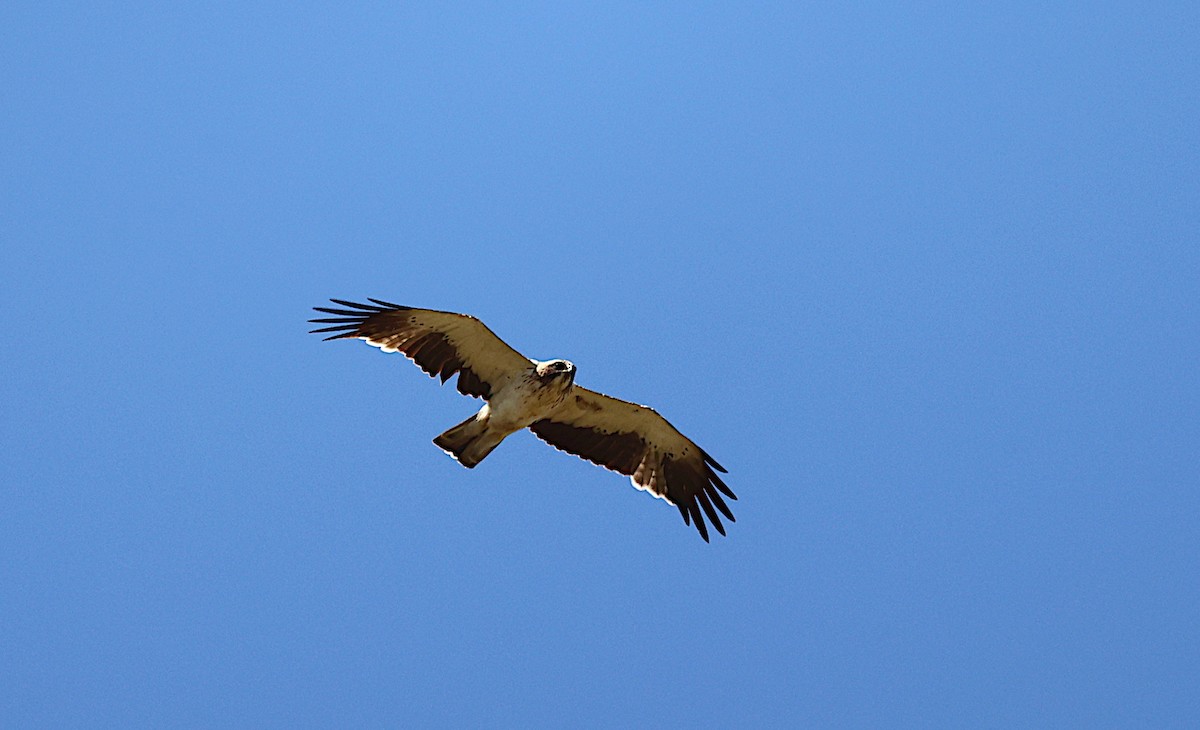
556 370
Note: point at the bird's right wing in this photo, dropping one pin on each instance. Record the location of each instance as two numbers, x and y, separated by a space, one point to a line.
441 343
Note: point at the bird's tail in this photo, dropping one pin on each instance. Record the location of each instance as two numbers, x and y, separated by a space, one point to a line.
469 441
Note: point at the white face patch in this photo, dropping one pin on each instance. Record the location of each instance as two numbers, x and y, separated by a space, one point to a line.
553 367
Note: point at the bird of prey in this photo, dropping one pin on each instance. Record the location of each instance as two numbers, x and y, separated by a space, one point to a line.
542 396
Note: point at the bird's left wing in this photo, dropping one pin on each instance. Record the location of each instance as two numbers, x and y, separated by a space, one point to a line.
636 441
441 343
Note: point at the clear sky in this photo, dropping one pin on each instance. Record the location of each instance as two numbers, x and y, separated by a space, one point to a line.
924 276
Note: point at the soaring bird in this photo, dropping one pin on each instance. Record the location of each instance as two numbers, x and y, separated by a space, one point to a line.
520 392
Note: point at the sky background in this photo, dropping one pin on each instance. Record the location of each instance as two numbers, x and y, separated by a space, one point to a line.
924 277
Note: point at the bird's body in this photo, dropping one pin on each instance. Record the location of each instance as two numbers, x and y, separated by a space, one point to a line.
518 403
531 396
541 396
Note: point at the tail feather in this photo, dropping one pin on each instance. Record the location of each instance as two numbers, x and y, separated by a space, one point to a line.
469 442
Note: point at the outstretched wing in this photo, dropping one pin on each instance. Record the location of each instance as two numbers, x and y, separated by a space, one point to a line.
441 343
636 441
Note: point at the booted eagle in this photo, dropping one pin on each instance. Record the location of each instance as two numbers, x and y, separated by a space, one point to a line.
541 396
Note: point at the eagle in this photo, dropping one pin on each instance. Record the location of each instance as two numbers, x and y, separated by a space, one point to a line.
520 392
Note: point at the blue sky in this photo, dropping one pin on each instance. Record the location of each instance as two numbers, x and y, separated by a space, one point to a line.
924 278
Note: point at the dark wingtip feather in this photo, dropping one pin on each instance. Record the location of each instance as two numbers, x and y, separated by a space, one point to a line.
344 312
389 305
337 320
355 305
698 519
335 328
702 498
719 503
713 462
716 480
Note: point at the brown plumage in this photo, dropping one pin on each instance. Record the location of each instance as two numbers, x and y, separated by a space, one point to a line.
522 393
